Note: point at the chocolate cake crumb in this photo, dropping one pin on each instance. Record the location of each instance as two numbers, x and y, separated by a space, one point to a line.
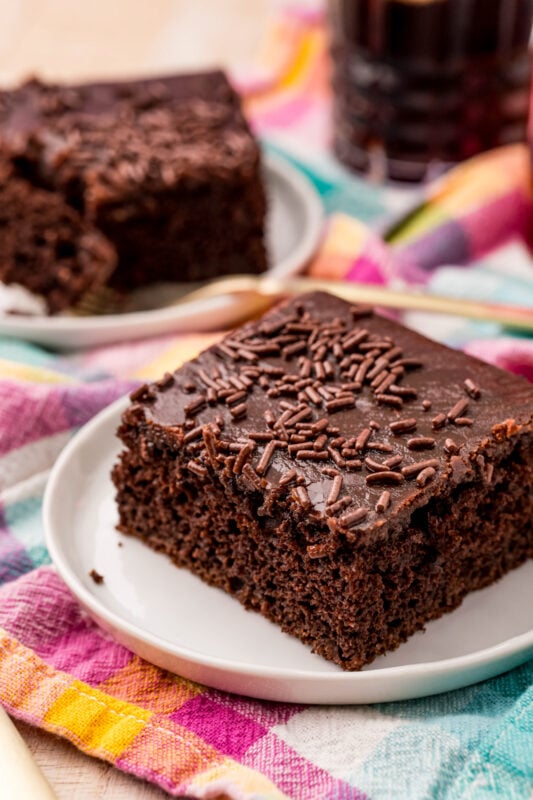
97 578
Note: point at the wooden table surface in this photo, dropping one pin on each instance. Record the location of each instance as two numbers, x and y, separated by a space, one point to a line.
74 40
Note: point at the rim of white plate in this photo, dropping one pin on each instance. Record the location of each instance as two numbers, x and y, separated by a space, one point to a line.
99 609
313 211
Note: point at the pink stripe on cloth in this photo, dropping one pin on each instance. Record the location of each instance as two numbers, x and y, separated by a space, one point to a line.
221 726
366 270
514 355
262 711
41 613
29 412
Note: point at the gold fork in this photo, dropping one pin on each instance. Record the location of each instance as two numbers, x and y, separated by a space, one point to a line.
268 288
261 291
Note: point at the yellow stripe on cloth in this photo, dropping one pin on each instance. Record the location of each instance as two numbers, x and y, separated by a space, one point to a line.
26 682
140 741
428 218
25 372
96 720
180 351
235 778
311 46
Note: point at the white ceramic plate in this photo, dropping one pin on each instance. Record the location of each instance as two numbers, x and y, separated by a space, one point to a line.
172 619
294 225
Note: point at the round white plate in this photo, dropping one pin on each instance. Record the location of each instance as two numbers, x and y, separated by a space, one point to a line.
172 619
294 226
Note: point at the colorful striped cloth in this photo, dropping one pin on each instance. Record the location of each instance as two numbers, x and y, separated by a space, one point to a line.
62 673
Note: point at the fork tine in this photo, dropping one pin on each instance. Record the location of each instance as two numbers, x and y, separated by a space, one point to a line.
99 302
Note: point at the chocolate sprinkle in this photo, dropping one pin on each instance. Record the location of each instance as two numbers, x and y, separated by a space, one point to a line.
463 421
312 455
392 462
458 409
412 470
362 439
383 502
438 422
264 461
340 404
390 400
238 411
140 393
472 389
195 405
301 495
249 472
288 477
421 443
335 490
354 517
197 468
384 477
403 426
425 476
450 446
374 466
340 505
353 464
243 456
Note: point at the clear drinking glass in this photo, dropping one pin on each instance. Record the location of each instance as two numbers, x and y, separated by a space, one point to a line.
422 84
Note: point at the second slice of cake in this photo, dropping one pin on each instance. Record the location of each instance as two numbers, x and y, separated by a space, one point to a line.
342 475
167 169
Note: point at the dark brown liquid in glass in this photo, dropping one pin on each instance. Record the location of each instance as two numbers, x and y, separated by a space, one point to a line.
419 84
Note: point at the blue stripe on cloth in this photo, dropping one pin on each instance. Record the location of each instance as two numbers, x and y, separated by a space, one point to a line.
451 746
14 560
339 190
23 522
26 353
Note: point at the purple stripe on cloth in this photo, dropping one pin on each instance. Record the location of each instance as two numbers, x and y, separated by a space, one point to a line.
293 774
31 412
447 244
14 560
493 224
220 726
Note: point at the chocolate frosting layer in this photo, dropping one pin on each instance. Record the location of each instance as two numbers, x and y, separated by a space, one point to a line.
349 418
106 141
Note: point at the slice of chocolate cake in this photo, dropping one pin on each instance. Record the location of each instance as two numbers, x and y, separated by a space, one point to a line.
49 256
167 169
342 475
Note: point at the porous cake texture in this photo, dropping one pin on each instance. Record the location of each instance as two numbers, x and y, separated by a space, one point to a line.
338 473
47 247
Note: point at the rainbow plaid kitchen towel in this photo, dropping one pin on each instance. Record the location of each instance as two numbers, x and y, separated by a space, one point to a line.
60 672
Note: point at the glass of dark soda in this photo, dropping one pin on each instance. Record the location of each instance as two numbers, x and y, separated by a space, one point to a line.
419 85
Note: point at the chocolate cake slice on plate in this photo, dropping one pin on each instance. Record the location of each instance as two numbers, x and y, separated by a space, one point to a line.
166 169
342 475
